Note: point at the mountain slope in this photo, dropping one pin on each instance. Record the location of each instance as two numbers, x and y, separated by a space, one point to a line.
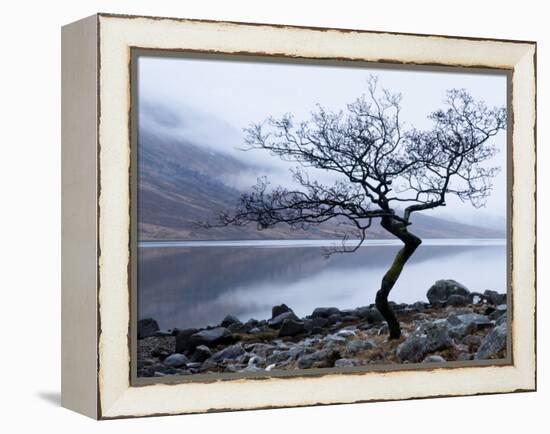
181 183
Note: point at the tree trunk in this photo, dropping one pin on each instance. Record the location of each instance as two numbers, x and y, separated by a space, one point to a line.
411 243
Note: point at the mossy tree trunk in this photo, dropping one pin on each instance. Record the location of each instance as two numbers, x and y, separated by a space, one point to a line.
411 243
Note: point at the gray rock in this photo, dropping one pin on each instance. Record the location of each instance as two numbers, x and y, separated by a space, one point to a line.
345 363
500 310
175 360
457 300
426 339
310 324
472 342
461 325
371 314
464 356
502 320
355 346
441 290
201 353
324 358
291 327
210 338
230 353
493 343
278 357
279 319
146 328
345 333
182 340
255 330
277 310
494 297
334 318
325 312
434 359
230 319
418 306
260 349
238 327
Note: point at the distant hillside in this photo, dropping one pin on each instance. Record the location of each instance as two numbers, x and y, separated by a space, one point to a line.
181 183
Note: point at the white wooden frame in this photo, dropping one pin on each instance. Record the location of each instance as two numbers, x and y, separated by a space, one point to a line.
96 215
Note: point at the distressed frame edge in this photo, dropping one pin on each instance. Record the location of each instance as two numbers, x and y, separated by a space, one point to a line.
529 386
79 271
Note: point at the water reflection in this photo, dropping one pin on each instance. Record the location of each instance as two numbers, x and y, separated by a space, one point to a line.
198 286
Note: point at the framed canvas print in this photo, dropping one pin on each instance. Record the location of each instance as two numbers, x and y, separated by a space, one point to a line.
261 216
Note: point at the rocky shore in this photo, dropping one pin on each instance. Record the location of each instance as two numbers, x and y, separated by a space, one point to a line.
455 325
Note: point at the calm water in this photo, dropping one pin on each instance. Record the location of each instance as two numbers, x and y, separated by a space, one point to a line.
194 284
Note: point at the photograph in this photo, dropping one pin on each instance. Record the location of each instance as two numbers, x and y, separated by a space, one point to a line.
298 215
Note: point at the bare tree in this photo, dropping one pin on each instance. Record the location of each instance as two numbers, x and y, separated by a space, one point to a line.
382 171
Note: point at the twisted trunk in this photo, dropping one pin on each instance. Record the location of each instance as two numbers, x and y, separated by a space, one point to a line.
411 243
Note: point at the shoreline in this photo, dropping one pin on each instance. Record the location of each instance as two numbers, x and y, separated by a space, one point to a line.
455 325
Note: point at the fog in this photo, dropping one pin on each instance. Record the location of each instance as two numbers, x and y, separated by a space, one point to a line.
209 102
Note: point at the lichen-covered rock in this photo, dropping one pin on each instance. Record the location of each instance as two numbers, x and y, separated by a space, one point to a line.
493 343
461 325
426 339
441 290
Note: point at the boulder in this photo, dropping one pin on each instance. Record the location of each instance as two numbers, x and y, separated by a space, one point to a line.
201 353
371 314
457 300
230 319
279 319
494 297
291 327
146 328
182 339
325 312
461 325
279 309
209 337
229 353
424 340
493 343
175 360
310 324
334 318
441 290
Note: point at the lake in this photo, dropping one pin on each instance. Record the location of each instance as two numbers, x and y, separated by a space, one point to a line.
196 283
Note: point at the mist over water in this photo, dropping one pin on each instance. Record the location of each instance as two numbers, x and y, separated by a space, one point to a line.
195 285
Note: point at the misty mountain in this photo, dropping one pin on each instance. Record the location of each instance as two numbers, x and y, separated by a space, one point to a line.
180 183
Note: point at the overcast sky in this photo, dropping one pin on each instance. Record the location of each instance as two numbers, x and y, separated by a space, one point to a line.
215 99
